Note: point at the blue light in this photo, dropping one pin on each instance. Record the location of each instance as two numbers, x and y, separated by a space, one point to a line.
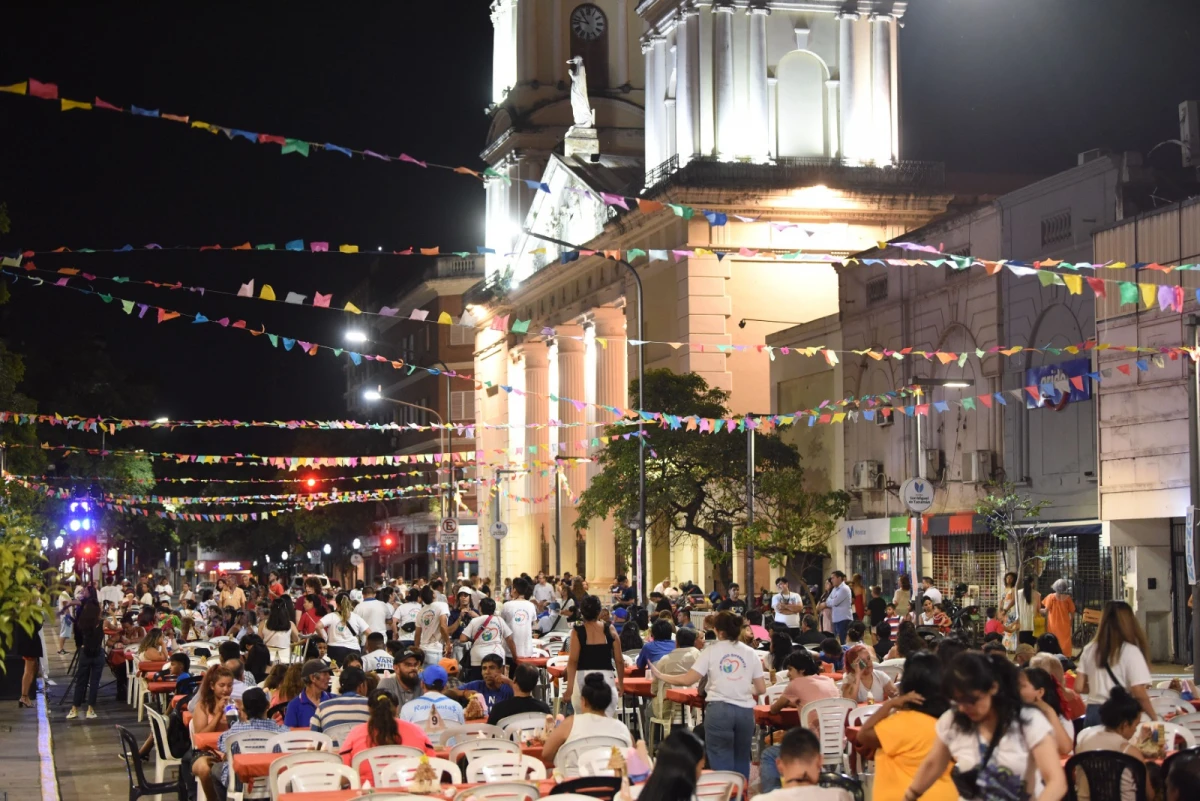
74 525
74 506
87 524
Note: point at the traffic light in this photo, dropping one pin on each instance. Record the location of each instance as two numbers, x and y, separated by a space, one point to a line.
87 550
80 519
388 542
310 483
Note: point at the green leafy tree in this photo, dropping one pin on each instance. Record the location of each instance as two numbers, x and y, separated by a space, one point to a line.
23 576
792 525
691 478
1015 520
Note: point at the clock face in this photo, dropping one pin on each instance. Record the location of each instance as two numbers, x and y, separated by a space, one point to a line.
588 22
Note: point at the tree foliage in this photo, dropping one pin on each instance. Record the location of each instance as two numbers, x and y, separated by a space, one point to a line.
1014 520
23 576
792 526
691 478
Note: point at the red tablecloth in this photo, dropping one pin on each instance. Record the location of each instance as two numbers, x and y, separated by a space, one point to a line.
558 671
689 696
536 661
207 740
146 668
639 687
544 788
160 686
786 718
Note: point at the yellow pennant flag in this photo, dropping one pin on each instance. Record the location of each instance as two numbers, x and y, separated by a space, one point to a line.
67 105
1074 283
350 307
16 88
267 293
602 342
348 248
445 319
1149 293
204 126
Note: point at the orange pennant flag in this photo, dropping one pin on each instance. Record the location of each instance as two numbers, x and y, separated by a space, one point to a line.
164 315
649 206
466 171
243 246
429 251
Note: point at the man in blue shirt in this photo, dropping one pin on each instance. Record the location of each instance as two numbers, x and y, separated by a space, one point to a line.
495 686
316 676
841 603
348 707
659 646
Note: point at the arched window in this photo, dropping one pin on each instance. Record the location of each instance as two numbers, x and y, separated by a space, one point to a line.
589 39
800 100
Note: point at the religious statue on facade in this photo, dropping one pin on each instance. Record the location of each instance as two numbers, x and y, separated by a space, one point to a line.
581 110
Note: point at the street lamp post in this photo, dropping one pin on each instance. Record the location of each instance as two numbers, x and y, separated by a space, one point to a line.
640 554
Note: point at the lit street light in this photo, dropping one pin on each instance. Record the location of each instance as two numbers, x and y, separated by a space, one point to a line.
372 395
162 419
356 544
355 335
327 549
283 556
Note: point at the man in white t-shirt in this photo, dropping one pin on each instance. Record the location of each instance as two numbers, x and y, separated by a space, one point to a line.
163 591
929 591
377 659
357 593
840 602
437 585
486 634
433 681
520 615
404 618
432 634
543 592
787 605
110 593
377 614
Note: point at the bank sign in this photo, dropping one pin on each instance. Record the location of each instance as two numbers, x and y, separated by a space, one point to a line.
876 531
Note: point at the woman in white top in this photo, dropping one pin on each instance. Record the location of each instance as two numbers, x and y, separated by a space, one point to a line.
862 683
589 720
1000 747
1029 601
279 631
341 630
1116 656
735 677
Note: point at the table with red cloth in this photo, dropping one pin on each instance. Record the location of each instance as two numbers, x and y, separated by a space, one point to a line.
688 696
535 661
639 687
556 672
785 718
545 787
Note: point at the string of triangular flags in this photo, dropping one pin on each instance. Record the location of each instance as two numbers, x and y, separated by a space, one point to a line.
189 480
49 91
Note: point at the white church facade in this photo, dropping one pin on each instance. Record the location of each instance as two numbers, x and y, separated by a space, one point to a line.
779 117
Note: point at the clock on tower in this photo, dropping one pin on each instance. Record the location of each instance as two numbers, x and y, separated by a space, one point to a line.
589 39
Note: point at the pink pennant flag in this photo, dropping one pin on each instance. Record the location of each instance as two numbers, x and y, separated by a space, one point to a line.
418 314
98 103
247 290
319 247
614 200
500 323
388 311
322 300
411 160
46 91
747 252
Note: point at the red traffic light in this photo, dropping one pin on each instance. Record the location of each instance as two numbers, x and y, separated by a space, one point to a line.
388 541
310 483
87 550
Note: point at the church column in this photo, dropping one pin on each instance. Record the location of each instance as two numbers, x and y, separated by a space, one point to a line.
622 44
612 389
723 80
881 88
571 388
759 147
686 102
832 117
557 35
527 42
849 117
537 410
773 116
653 100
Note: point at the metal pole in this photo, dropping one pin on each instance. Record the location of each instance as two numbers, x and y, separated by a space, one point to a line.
752 593
916 518
557 522
497 543
640 541
1193 334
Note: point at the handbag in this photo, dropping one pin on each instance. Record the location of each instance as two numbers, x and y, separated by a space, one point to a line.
967 781
466 659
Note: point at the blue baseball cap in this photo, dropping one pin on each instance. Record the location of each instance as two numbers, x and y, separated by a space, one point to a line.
434 673
620 612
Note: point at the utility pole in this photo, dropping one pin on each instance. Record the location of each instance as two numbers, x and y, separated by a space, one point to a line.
557 521
1193 335
751 592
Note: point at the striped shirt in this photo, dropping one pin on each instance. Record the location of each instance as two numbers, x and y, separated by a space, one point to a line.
341 709
253 724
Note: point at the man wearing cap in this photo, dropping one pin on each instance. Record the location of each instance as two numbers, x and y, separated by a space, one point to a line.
787 605
300 710
348 707
406 683
433 681
213 770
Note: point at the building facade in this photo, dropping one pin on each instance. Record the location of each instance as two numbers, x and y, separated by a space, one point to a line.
762 200
992 430
378 392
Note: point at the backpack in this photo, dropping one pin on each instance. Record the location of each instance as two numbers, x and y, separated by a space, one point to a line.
179 739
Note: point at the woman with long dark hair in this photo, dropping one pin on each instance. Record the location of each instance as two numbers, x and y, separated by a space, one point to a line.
279 631
89 637
383 727
1000 747
678 763
341 630
1040 691
595 696
902 597
595 648
1118 656
1029 603
903 730
215 692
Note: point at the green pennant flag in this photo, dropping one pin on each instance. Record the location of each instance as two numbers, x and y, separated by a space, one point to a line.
264 247
274 340
968 403
520 327
686 212
634 253
337 351
489 172
1129 293
127 306
295 146
120 279
1047 279
106 298
962 359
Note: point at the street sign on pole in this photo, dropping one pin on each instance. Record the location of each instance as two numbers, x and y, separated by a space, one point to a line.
917 495
448 531
499 530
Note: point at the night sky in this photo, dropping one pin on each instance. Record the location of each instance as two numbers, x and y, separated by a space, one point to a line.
986 86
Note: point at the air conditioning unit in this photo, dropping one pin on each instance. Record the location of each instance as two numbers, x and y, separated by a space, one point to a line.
868 475
882 419
977 467
933 464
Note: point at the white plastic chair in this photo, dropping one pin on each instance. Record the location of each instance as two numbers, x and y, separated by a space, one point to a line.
1088 732
554 647
859 715
1190 721
831 723
1165 705
504 791
594 762
1173 730
492 768
513 725
720 785
286 763
339 732
567 758
189 648
381 756
313 777
131 681
400 772
250 741
290 741
1162 691
773 692
893 672
474 748
453 735
162 755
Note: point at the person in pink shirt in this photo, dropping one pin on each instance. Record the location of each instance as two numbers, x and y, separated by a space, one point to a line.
805 683
384 727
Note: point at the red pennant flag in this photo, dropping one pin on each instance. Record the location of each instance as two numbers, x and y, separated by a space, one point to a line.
986 400
1077 382
1033 393
1124 368
1097 285
46 91
98 103
279 140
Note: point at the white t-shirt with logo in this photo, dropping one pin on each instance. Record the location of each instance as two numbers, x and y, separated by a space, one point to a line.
731 668
377 661
520 616
417 710
1012 764
492 631
427 622
405 613
340 634
543 593
376 613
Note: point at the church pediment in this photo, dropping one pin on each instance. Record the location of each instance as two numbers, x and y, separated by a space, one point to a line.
571 211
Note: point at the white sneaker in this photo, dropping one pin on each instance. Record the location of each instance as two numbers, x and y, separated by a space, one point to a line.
91 714
74 713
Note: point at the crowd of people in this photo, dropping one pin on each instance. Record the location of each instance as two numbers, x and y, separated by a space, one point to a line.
410 658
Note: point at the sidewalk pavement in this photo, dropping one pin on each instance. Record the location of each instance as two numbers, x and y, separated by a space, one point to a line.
26 760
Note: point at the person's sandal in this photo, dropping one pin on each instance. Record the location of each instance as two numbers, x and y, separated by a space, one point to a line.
25 703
